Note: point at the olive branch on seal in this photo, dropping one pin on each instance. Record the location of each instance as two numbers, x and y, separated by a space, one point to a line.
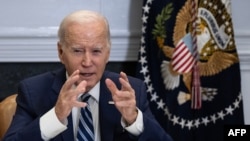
159 27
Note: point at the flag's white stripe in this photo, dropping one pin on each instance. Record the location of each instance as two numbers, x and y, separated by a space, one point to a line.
180 56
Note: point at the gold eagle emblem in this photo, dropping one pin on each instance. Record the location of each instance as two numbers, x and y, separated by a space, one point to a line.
216 45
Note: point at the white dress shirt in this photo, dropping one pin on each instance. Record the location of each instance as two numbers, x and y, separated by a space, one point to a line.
50 126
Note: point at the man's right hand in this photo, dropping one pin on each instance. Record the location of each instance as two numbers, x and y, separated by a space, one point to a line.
68 97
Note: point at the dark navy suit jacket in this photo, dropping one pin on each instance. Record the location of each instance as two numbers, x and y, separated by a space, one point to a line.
38 94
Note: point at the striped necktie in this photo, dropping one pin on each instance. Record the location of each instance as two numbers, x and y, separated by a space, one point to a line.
85 129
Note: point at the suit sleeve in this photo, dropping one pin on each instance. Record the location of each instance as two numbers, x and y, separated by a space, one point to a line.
25 123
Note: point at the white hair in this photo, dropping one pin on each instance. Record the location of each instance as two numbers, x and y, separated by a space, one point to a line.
83 16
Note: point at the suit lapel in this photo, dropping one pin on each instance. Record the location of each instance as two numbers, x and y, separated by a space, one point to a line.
106 129
60 78
109 116
106 112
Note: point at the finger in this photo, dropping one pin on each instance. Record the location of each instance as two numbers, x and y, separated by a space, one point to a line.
122 96
118 95
72 79
111 86
125 103
125 84
81 87
79 104
75 94
124 76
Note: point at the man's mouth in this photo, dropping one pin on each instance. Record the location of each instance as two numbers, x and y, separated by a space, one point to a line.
86 74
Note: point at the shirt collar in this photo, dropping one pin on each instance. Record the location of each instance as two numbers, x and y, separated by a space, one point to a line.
95 91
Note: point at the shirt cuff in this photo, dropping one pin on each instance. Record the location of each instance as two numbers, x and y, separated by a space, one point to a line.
50 126
135 128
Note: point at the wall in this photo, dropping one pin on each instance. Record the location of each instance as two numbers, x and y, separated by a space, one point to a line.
241 18
28 31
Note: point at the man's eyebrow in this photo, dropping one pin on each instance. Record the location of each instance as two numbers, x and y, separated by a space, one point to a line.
98 47
76 47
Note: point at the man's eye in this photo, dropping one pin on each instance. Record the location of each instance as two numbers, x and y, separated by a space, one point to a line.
77 50
97 51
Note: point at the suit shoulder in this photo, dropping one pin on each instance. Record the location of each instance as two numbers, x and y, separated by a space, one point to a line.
38 77
115 76
42 78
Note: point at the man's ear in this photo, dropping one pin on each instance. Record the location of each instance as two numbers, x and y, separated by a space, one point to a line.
60 51
107 60
59 48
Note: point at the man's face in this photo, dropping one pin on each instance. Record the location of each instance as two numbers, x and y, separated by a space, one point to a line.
85 49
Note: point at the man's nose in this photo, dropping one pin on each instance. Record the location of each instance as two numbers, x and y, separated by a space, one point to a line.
86 61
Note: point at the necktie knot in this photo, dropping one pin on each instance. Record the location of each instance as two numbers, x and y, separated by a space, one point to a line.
85 97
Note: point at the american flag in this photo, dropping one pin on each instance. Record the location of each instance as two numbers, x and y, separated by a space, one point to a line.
183 59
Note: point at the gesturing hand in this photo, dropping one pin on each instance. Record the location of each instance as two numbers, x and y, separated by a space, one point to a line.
124 99
69 93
